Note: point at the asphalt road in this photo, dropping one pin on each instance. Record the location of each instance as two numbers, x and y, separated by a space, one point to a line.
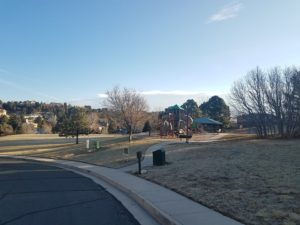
38 194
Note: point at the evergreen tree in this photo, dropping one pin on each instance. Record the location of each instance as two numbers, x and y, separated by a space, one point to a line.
39 120
192 108
147 126
75 123
216 108
5 128
16 122
112 126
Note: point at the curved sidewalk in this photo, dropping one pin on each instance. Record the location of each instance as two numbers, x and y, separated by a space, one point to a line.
148 157
166 206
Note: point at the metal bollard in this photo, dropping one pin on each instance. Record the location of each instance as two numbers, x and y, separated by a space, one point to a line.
139 157
87 143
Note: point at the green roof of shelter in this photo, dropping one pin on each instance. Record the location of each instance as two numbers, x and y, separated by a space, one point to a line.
175 107
203 120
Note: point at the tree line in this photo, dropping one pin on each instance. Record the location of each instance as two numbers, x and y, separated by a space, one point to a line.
60 118
215 108
270 101
126 112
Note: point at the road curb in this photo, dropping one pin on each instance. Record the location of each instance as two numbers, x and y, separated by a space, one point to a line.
161 217
157 214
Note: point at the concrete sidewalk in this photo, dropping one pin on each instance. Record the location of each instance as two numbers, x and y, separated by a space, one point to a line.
148 157
166 206
147 160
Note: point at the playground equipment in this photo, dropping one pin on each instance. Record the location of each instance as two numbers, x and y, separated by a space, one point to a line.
175 121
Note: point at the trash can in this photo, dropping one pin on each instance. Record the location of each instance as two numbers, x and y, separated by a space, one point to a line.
159 157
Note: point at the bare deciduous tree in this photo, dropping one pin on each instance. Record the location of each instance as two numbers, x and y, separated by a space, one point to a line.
130 105
249 97
275 97
270 101
93 121
292 100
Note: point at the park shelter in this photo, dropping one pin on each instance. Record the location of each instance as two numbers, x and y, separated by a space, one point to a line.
174 109
206 124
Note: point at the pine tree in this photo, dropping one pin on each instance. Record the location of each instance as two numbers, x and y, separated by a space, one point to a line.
216 108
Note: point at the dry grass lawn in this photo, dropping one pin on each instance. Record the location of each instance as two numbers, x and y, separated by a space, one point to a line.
254 181
110 153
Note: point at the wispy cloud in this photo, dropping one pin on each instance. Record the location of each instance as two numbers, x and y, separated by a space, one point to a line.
102 95
174 92
160 99
170 93
227 12
158 92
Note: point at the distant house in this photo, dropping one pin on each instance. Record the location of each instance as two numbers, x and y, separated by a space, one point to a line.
250 120
3 112
30 119
205 124
103 128
88 107
245 121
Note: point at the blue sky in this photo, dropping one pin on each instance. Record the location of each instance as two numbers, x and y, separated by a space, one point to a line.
169 50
